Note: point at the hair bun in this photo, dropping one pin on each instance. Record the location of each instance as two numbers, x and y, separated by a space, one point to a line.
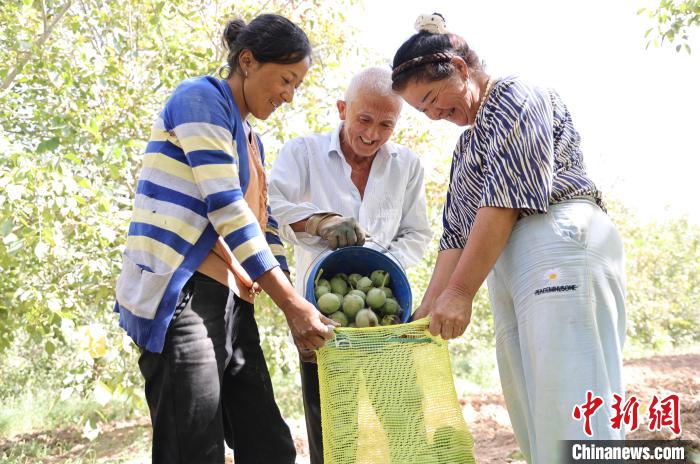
434 24
233 28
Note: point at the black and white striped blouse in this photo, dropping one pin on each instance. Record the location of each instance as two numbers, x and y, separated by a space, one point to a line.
522 152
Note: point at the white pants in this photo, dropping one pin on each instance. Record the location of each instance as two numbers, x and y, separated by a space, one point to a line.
558 301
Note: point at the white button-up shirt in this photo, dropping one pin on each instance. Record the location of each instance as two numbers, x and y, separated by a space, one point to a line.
311 176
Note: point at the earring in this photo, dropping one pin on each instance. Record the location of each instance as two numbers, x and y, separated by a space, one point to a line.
245 73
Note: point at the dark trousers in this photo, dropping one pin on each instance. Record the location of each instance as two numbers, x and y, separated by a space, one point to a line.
312 410
211 384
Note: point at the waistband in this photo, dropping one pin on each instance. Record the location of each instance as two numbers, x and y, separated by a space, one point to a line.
199 277
578 199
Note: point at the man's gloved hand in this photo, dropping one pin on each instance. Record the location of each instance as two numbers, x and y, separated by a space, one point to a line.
339 231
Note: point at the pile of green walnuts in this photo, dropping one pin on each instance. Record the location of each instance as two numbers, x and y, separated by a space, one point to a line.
357 301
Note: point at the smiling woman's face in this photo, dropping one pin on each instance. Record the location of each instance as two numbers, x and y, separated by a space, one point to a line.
269 85
443 99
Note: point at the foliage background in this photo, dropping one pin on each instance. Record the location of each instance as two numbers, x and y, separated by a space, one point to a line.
80 81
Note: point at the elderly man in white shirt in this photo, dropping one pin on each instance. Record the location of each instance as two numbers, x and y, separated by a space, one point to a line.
333 190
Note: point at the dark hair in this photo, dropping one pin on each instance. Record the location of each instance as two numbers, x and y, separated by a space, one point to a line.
271 38
426 57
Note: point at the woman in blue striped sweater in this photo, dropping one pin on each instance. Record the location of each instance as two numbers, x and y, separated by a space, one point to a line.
200 245
521 209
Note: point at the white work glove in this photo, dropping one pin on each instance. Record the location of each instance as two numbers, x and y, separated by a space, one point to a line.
337 230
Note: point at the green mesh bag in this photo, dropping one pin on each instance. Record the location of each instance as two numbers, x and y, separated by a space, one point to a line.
388 397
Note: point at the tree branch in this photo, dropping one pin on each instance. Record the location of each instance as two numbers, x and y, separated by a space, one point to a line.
40 43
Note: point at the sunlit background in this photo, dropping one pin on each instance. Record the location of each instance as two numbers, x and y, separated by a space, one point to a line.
636 108
80 83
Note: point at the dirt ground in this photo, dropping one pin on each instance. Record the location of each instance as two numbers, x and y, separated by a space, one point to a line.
127 442
657 375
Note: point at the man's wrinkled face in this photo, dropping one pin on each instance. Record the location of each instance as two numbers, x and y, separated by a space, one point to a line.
369 121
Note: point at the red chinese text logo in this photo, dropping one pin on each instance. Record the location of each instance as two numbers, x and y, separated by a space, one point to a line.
627 414
663 412
589 408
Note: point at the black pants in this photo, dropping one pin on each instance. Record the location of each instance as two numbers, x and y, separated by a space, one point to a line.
211 384
312 410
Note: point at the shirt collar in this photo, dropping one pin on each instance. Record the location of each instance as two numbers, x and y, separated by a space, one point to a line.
388 148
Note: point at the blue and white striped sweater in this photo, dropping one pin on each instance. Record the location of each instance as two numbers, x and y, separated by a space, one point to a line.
191 190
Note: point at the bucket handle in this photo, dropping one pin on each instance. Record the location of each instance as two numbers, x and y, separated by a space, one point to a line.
385 251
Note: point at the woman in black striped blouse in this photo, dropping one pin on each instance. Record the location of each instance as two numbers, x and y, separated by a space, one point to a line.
521 210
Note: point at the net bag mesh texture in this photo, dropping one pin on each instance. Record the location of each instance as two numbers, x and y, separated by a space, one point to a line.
388 397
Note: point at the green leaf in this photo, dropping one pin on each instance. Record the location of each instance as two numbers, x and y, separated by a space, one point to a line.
83 182
50 348
94 128
6 227
73 158
48 145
